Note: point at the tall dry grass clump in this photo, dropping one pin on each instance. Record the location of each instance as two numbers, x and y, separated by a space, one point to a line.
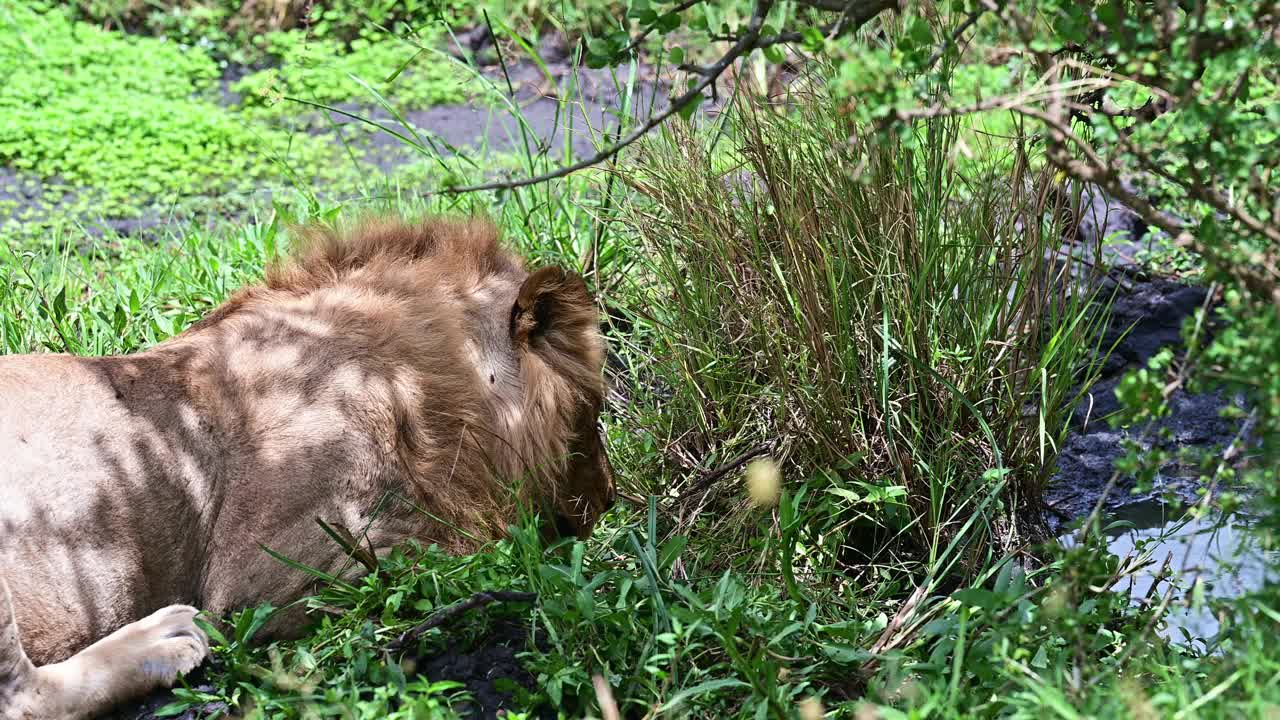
885 311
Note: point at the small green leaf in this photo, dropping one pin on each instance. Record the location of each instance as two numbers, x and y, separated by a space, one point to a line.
845 654
174 708
977 597
688 110
119 320
671 550
1041 659
701 689
599 47
60 304
211 631
813 38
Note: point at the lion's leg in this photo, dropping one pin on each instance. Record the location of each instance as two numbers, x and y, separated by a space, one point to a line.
126 664
15 667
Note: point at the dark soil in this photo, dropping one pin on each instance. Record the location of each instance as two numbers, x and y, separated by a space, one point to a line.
484 668
149 706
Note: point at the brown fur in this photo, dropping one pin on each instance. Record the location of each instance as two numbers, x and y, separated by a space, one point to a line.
399 380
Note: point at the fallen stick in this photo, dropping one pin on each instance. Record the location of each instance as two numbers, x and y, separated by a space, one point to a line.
441 617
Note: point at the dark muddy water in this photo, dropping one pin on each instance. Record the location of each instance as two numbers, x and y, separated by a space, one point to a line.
1192 561
1217 553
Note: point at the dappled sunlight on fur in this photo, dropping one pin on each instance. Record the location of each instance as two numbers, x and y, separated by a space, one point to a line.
398 380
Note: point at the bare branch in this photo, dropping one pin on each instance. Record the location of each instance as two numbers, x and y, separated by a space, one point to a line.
853 15
1064 101
954 40
1259 275
1037 93
714 476
744 45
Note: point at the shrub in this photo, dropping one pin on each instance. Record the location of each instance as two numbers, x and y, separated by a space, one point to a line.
321 71
890 324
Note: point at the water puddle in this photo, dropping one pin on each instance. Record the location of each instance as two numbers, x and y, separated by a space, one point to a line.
1219 553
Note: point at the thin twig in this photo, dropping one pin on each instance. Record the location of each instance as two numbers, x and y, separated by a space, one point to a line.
712 477
1259 279
640 37
954 40
480 599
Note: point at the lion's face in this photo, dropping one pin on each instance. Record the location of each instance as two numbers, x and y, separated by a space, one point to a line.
589 488
554 328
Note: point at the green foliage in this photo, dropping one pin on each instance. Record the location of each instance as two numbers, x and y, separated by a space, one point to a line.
203 25
350 19
646 605
228 28
233 29
104 297
320 71
869 297
704 645
100 124
1173 108
111 122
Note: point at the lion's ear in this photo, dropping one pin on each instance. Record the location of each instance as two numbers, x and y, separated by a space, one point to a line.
546 298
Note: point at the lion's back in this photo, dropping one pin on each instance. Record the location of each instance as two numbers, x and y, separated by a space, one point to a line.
51 409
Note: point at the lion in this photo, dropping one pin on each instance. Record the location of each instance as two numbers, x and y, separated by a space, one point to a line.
398 380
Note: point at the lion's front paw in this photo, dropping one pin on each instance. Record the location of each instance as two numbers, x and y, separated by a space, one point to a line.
151 652
125 665
168 643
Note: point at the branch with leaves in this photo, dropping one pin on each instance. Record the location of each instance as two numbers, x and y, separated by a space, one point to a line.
854 14
1125 94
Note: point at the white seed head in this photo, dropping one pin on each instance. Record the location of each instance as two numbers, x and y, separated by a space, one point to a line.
811 709
764 480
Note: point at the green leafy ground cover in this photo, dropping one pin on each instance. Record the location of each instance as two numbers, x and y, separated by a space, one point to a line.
101 124
886 578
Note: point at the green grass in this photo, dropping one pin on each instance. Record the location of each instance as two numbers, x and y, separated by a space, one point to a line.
876 316
226 24
647 603
149 128
323 71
